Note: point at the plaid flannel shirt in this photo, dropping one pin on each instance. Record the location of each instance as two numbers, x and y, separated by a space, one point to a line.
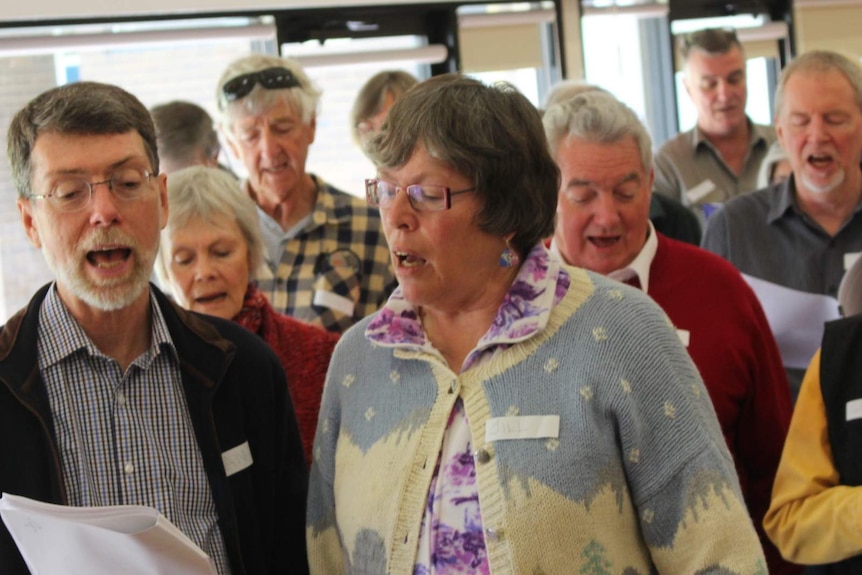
337 269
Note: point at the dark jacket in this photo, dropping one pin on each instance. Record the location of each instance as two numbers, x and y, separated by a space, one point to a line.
236 392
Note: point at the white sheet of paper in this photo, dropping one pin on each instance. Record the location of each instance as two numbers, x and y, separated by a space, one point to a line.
128 539
796 319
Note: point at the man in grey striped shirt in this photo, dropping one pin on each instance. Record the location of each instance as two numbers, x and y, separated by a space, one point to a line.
110 394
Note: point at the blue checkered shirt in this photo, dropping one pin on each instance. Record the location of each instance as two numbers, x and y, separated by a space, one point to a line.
126 438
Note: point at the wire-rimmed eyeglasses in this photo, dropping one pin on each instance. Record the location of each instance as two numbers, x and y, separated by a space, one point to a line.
75 194
422 198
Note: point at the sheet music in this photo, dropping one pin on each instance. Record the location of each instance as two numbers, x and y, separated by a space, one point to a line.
128 539
796 319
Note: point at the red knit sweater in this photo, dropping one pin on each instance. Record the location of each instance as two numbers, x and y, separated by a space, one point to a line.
304 351
733 348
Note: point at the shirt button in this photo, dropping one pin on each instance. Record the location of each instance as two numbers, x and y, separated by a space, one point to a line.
129 468
492 535
482 456
121 399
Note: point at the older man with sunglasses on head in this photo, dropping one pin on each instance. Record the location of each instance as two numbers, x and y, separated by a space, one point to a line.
327 260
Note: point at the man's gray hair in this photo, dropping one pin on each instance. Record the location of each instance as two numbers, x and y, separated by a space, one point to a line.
303 99
821 61
209 194
712 41
568 89
596 116
82 108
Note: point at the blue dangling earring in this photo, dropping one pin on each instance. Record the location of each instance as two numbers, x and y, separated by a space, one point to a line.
509 258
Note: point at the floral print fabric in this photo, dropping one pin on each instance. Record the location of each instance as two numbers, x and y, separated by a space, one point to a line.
540 284
451 540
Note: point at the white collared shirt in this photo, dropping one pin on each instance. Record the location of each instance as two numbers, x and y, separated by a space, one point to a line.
639 266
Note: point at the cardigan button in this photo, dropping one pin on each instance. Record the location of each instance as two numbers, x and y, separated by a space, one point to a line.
492 535
482 456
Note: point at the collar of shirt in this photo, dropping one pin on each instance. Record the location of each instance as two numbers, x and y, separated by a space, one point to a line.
640 266
65 336
325 212
756 137
785 199
540 284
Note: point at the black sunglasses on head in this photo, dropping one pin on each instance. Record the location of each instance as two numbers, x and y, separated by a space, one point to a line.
270 78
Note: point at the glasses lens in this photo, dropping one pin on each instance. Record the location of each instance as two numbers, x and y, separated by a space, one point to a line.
427 198
238 87
70 195
128 183
385 193
270 78
273 78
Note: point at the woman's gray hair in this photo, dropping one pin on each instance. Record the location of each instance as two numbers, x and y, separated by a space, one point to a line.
596 116
821 61
303 99
491 135
209 194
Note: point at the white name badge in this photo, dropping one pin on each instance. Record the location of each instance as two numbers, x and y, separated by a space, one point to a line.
854 409
700 191
334 301
850 259
236 459
522 427
684 336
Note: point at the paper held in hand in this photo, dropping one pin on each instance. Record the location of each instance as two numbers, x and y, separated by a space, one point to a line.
128 539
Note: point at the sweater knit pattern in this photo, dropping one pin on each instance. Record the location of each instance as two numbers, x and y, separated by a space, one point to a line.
639 479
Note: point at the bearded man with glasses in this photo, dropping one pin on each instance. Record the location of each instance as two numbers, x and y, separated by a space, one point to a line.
326 257
109 393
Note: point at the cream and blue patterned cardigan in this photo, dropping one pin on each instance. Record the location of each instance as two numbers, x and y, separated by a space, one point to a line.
638 481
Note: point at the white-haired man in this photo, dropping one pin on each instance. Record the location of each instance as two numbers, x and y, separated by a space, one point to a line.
327 258
604 155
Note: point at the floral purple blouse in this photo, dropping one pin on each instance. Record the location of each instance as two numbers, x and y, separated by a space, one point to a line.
451 540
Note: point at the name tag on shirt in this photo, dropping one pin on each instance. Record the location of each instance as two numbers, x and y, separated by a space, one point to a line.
334 301
854 409
850 259
684 336
522 427
700 191
236 459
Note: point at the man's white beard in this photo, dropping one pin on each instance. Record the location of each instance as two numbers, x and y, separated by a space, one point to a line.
829 186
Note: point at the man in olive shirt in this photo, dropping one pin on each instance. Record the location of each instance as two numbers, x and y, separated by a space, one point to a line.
720 157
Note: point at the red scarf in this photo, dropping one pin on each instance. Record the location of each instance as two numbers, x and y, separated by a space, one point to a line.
251 314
